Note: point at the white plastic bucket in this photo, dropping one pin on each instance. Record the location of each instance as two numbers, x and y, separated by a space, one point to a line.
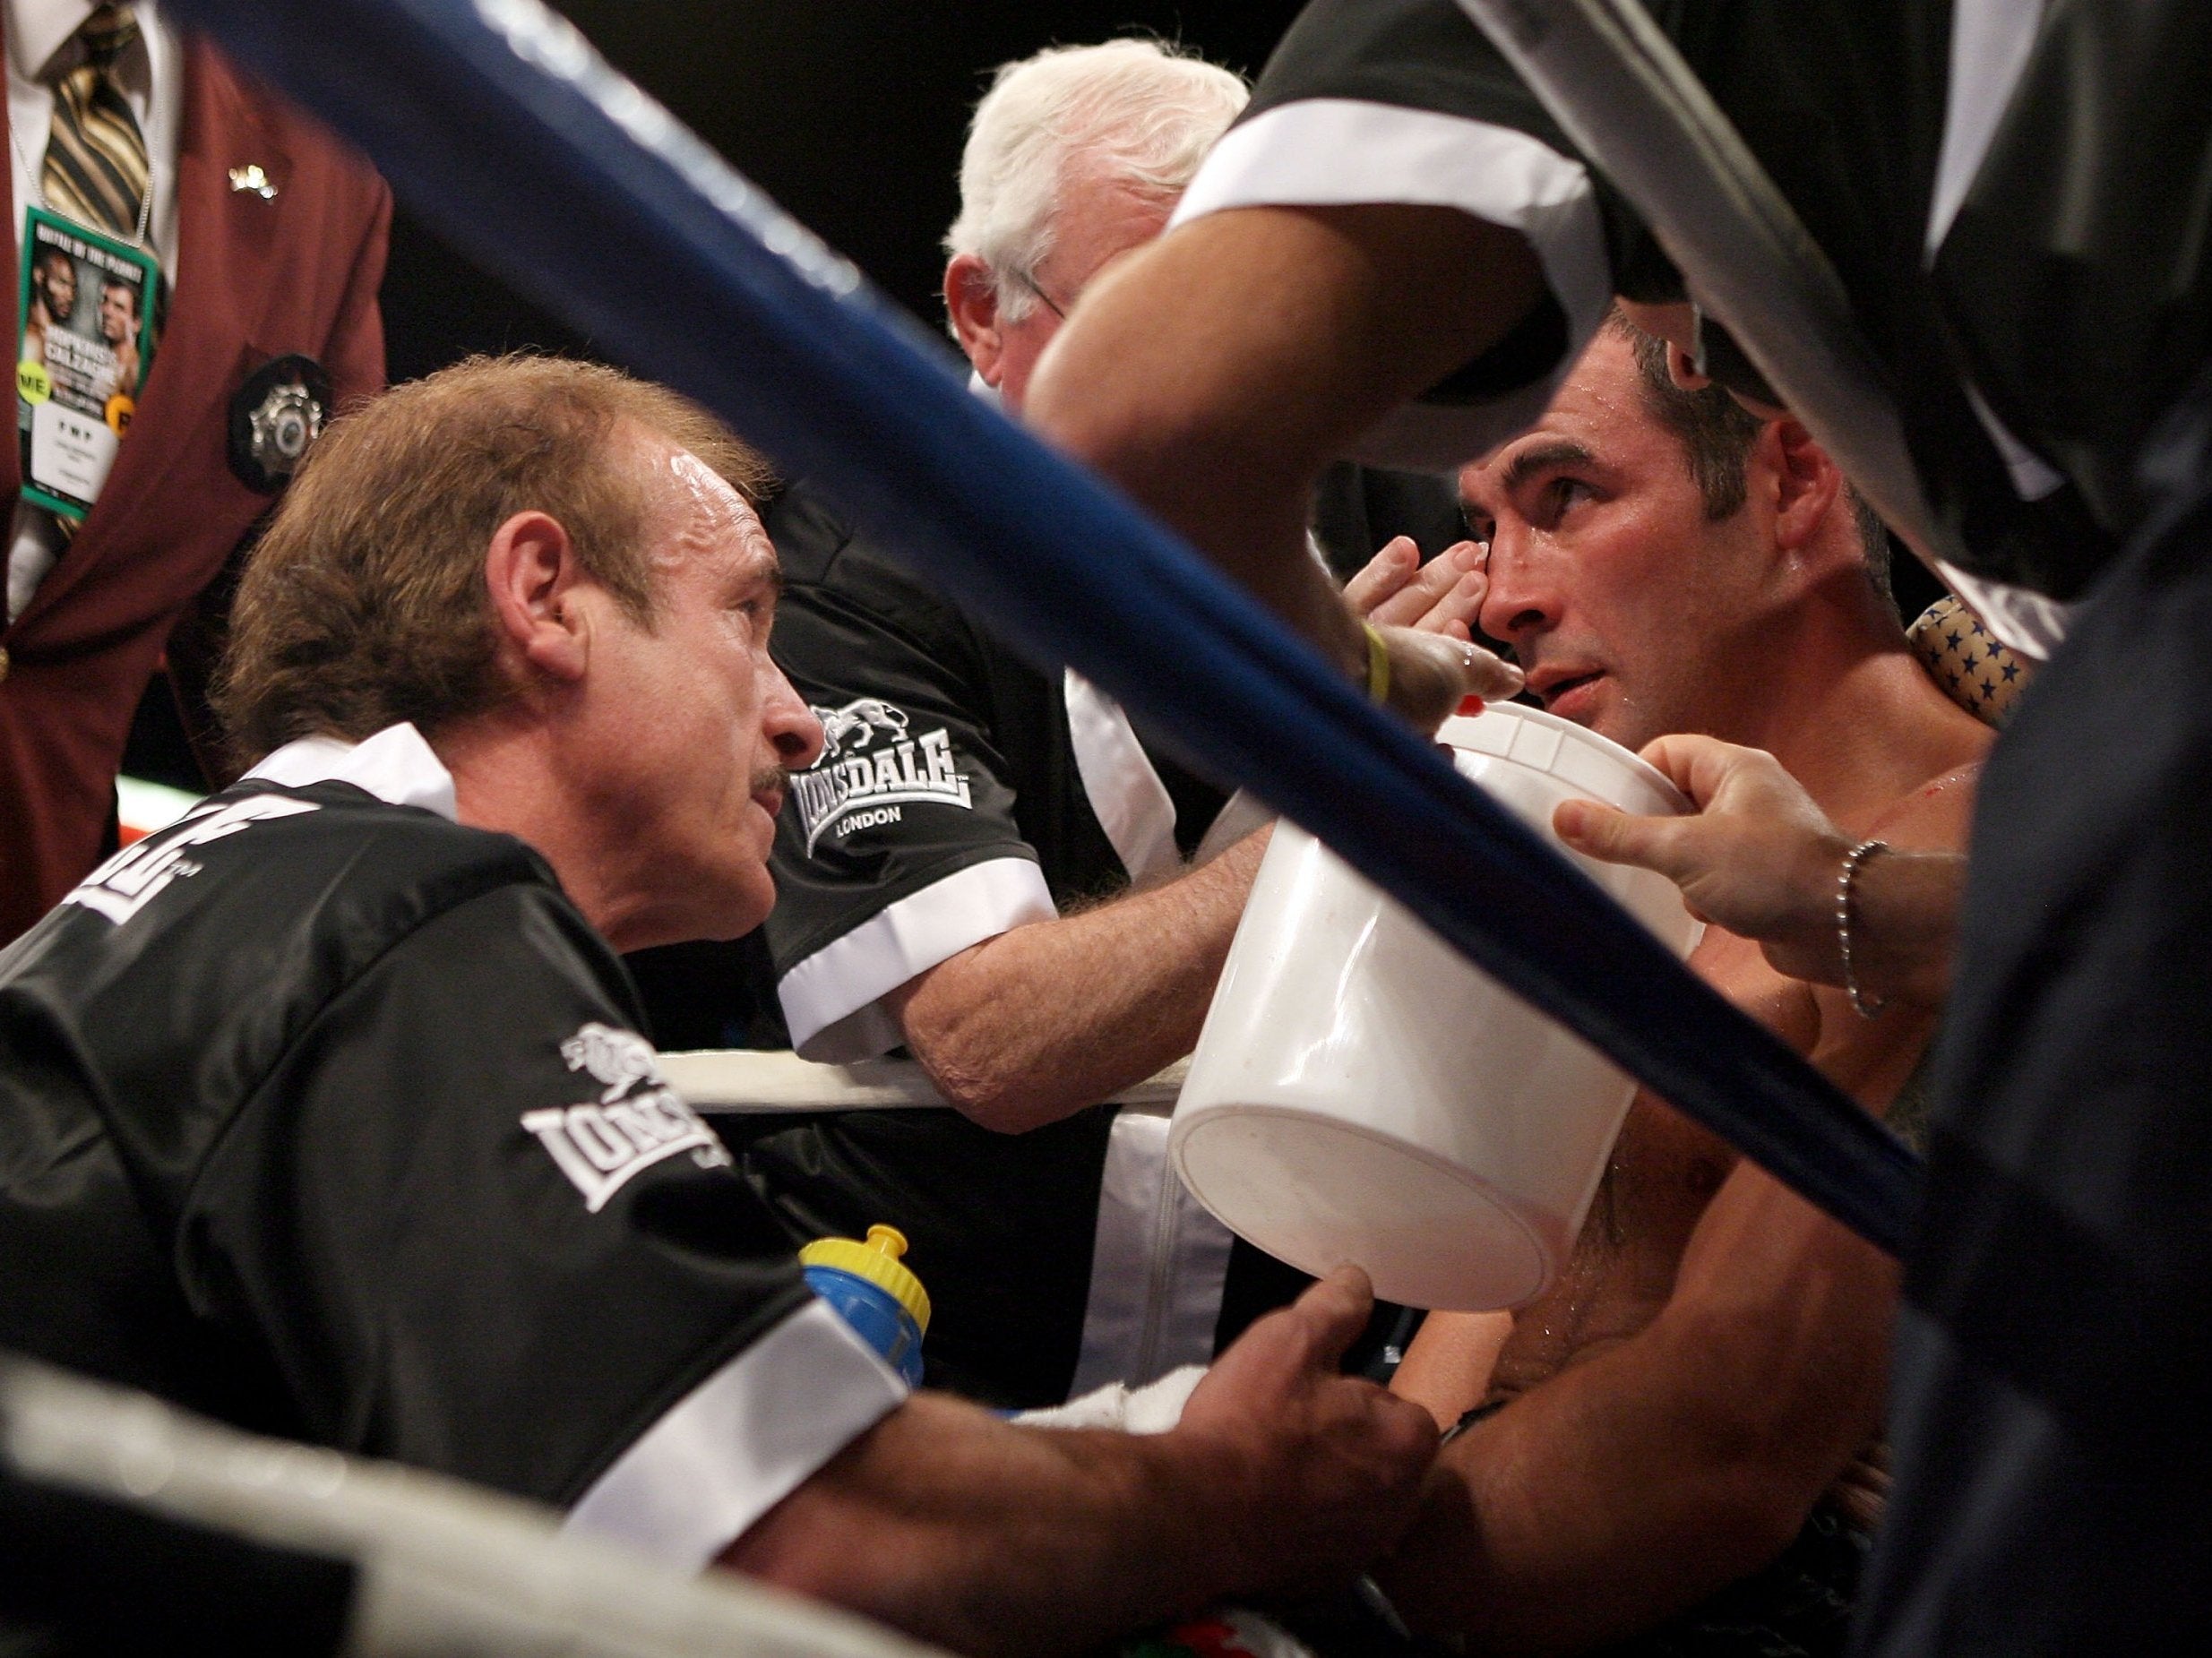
1361 1094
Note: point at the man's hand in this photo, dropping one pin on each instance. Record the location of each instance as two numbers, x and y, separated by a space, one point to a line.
1432 675
1424 614
1322 1472
1758 858
993 1539
1444 596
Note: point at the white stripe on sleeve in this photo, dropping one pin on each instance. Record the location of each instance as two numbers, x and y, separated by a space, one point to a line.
833 1001
742 1441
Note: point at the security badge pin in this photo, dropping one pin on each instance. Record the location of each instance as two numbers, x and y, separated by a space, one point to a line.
279 412
250 179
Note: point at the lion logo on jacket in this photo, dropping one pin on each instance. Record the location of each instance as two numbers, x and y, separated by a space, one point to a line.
859 783
859 720
617 1058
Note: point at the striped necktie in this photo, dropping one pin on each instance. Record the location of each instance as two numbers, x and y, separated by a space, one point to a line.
96 157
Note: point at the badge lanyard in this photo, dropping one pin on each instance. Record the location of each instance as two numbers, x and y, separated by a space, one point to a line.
37 184
79 370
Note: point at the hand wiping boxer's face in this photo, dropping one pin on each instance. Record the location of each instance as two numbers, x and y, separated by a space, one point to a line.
1425 615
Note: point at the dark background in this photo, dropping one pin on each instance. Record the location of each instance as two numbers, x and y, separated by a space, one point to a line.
850 113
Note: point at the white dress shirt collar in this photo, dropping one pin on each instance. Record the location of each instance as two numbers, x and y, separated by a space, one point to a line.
39 29
395 765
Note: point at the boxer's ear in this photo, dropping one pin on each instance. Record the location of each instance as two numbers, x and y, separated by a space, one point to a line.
1807 485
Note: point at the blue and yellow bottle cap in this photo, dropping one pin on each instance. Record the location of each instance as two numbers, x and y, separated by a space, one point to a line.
877 1262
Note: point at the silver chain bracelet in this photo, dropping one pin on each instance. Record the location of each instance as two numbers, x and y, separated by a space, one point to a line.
1853 859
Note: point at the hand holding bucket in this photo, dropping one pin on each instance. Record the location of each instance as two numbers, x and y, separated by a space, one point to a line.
1360 1094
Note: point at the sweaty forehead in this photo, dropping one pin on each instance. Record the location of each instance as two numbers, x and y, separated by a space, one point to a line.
705 516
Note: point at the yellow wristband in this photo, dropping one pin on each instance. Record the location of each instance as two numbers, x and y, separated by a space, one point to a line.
1378 664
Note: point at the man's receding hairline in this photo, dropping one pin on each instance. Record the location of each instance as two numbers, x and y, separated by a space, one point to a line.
646 443
681 459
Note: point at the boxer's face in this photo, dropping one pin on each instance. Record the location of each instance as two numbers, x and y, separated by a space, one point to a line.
57 286
115 314
1632 611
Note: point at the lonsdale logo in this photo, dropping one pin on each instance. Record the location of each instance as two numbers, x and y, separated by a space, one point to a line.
870 767
637 1122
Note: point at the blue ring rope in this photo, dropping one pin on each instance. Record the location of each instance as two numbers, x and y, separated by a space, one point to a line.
497 122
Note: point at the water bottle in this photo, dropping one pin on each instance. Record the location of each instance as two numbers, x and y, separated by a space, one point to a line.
874 1292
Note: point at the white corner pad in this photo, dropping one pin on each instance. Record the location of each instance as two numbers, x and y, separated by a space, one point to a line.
741 1441
1126 795
1343 153
832 1000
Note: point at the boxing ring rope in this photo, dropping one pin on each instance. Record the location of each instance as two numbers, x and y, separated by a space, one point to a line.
125 1489
755 1082
497 122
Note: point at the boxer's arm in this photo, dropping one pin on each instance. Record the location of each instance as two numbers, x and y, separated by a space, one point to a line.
1213 374
1634 1484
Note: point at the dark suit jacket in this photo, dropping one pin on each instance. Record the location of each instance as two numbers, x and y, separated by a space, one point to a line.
256 279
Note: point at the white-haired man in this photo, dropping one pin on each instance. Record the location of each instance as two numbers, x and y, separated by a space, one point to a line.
988 867
1075 156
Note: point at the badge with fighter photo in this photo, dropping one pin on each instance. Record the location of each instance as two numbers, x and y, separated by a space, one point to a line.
85 328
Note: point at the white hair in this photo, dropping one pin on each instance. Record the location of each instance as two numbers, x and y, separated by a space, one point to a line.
1142 113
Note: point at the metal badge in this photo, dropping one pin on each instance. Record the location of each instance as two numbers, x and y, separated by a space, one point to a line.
276 415
251 180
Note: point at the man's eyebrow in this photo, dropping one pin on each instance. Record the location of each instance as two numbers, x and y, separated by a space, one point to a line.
1542 458
768 576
